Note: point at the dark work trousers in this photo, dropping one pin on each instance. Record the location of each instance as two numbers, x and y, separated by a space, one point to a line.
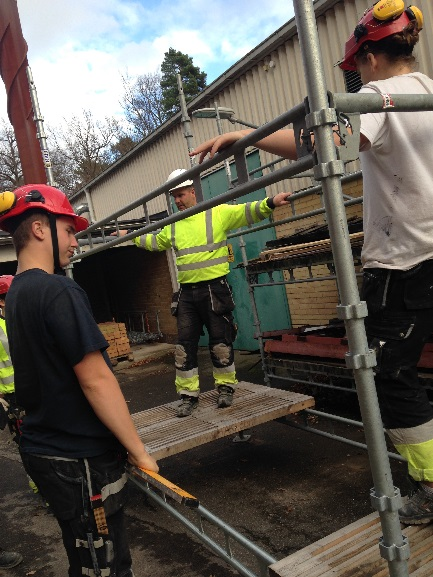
63 484
208 304
399 322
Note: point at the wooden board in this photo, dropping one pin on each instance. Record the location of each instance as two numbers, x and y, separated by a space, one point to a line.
306 248
354 552
164 434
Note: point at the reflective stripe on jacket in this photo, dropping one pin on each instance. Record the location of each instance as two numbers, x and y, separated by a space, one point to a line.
200 241
6 368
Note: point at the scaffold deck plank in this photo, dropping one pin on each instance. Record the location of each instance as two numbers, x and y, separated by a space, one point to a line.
354 552
164 434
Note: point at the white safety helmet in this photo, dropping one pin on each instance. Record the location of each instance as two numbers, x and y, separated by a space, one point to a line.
178 172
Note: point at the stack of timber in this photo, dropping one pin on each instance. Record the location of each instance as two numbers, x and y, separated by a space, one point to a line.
120 347
308 248
305 248
313 233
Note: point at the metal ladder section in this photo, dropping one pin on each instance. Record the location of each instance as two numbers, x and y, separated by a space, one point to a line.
317 115
196 524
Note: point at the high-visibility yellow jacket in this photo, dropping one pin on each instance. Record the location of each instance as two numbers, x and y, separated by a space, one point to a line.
6 368
200 241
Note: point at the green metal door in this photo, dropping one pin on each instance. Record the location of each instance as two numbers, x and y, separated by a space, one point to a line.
271 301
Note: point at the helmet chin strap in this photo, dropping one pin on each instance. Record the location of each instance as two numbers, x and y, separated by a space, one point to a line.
57 268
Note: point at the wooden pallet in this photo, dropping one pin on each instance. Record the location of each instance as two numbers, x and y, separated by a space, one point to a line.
354 552
126 357
165 434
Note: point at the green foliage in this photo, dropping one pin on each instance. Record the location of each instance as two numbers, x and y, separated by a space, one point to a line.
122 146
193 80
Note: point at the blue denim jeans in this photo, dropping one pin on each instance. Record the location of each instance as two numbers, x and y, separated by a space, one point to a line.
64 485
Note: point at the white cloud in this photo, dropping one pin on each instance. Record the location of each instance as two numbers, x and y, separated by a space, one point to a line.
79 49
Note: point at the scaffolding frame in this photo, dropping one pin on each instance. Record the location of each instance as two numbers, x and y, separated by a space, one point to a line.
202 523
317 115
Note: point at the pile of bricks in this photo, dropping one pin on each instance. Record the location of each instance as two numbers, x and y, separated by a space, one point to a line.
115 334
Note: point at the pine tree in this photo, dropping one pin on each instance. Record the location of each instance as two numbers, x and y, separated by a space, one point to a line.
193 80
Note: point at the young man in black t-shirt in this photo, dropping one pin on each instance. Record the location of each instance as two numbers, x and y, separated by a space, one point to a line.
77 430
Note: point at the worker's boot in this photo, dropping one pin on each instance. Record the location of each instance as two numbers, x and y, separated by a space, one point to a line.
225 397
187 405
8 559
419 508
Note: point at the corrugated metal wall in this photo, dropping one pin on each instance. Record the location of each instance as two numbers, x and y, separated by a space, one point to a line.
269 83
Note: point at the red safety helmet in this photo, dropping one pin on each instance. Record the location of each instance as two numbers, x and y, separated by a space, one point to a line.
5 283
40 196
387 17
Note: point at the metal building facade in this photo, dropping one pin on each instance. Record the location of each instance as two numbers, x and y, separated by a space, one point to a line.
266 82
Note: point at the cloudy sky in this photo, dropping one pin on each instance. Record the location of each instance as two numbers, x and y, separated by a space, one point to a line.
79 49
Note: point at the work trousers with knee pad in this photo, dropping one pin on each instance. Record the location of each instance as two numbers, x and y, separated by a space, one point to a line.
399 322
64 484
208 304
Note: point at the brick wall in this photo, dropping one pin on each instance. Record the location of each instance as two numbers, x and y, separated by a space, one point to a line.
313 303
127 279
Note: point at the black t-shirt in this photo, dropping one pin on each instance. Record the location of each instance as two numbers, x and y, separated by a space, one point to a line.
51 328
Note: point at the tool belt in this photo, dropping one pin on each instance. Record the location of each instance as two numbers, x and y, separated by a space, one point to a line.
84 492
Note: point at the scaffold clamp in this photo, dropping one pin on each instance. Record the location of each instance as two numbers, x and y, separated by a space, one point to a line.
395 552
361 361
321 118
384 502
326 169
353 311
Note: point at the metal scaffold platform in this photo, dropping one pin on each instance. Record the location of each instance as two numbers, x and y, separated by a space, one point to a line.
165 434
353 552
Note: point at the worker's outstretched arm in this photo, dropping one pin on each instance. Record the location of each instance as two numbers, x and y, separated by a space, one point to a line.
102 390
281 143
154 242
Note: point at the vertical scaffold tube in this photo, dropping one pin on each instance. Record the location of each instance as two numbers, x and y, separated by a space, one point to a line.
329 169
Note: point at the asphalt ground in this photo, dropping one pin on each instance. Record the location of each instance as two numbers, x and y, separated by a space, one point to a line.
283 489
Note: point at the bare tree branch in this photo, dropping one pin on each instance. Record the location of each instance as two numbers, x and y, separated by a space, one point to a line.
11 174
142 103
83 148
